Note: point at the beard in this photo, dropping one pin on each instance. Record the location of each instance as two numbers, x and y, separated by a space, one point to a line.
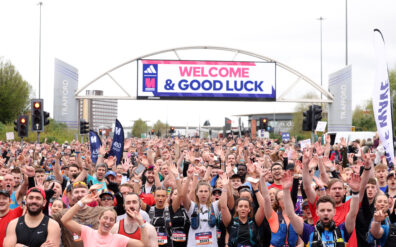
150 180
34 212
75 175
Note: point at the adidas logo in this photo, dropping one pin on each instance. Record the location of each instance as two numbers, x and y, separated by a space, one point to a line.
150 70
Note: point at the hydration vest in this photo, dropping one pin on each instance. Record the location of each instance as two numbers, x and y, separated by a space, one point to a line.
233 232
168 228
195 221
279 238
338 241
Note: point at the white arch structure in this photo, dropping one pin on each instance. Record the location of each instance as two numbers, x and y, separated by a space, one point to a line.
328 97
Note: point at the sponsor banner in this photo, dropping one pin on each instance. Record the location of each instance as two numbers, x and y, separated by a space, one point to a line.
65 85
95 144
117 147
286 136
381 98
340 111
211 80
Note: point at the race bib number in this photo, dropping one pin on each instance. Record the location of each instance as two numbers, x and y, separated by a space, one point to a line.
179 236
76 237
203 238
218 234
162 238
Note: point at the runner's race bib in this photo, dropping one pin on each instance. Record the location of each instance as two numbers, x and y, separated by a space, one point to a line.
179 236
203 238
162 238
218 234
76 238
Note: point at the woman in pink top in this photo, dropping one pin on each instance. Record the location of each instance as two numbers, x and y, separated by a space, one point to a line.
102 236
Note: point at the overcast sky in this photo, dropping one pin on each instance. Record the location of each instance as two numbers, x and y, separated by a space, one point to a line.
95 36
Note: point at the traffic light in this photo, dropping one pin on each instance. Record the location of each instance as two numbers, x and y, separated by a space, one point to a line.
152 132
46 116
22 126
37 115
317 114
263 123
84 127
172 130
307 121
100 132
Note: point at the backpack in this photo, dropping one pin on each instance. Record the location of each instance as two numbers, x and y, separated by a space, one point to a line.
338 241
234 232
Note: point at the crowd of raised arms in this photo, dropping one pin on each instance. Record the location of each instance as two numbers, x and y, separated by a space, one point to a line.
175 192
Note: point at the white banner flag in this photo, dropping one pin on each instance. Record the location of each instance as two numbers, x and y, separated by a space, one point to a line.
381 98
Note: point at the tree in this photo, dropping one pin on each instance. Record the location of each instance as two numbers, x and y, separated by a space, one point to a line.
139 127
363 117
160 126
14 92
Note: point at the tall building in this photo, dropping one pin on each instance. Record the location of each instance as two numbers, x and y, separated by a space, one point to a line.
101 114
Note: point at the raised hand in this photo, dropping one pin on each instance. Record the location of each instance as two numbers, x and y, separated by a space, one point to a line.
135 215
89 198
95 187
172 168
354 182
343 142
380 216
287 180
319 149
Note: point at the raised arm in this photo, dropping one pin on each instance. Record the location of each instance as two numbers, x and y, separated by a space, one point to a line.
307 179
268 210
354 184
57 169
225 212
296 221
173 171
259 217
367 173
184 195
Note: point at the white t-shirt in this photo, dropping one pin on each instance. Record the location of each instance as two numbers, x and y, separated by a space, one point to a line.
204 236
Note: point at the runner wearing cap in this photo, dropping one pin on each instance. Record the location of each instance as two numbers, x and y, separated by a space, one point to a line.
106 199
216 193
34 229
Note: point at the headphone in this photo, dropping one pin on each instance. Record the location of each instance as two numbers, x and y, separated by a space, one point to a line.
321 227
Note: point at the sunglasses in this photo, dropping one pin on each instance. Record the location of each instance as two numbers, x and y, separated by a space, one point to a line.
216 193
106 198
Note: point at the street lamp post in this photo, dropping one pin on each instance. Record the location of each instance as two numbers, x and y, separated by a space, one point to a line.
321 53
39 89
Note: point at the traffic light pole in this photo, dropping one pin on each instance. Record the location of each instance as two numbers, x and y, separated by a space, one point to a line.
312 125
38 137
